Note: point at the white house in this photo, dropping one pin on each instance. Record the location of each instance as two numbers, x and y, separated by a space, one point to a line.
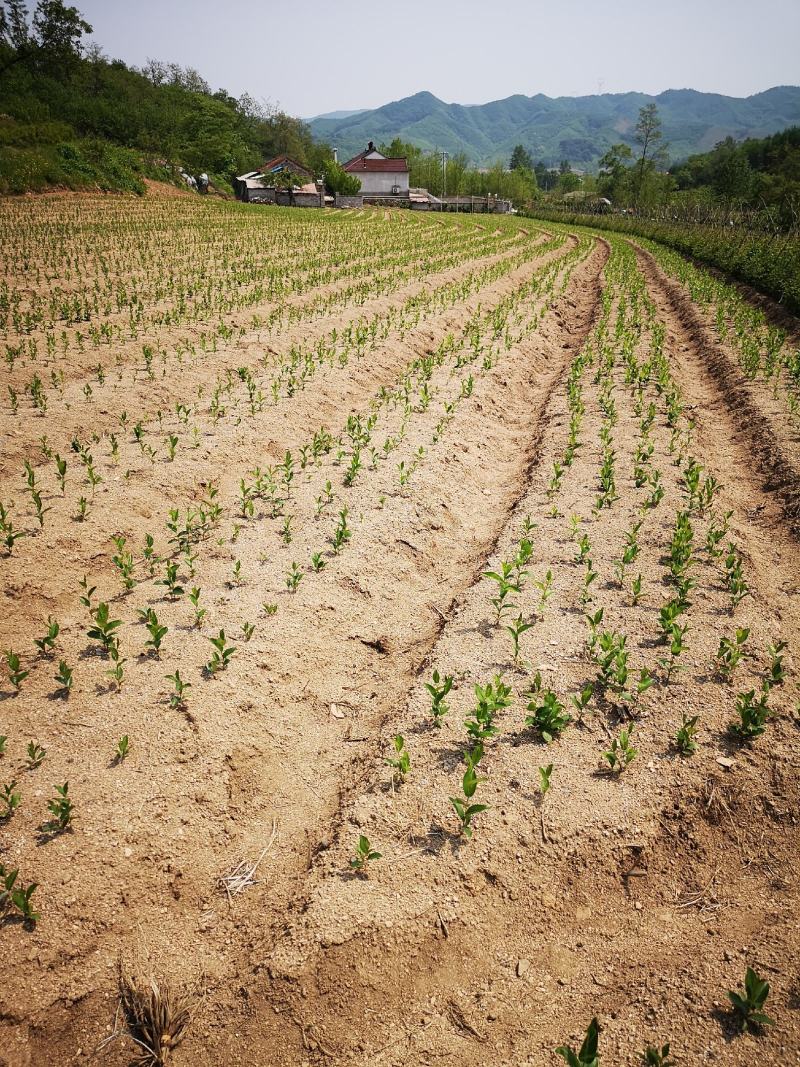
379 175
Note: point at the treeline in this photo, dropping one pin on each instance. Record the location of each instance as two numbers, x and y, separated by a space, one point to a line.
70 116
456 178
753 173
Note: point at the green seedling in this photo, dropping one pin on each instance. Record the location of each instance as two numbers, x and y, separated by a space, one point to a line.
490 699
466 811
35 754
517 629
748 1008
621 752
676 647
83 506
61 472
88 593
506 584
170 580
104 629
13 666
586 1056
293 578
653 1056
401 762
581 700
318 562
730 652
3 742
177 697
9 535
123 748
734 576
753 715
777 673
157 634
365 854
117 672
47 643
686 737
124 563
61 810
194 600
20 898
269 609
438 689
9 800
548 716
221 656
342 533
236 575
636 589
64 677
248 628
544 778
545 587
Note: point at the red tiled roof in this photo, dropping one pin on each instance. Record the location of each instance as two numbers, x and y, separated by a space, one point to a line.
359 165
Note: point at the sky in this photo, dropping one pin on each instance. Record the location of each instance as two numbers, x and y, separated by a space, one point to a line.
313 57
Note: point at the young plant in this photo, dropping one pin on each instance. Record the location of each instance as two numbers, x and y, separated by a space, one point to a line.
586 1056
686 737
548 716
15 673
748 1008
466 811
730 652
621 752
194 600
581 700
157 634
438 689
47 643
293 578
170 580
61 810
123 748
365 854
9 799
221 656
35 754
506 583
517 629
342 533
20 898
544 778
777 673
104 629
64 677
177 698
401 762
490 699
318 562
248 628
653 1056
753 715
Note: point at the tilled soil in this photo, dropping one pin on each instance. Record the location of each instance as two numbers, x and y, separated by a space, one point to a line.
638 897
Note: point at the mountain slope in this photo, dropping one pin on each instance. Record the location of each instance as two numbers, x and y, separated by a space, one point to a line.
580 129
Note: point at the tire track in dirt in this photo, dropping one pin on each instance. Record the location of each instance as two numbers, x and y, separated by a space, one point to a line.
743 422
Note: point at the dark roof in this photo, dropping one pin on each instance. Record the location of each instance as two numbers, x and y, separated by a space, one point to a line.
359 164
280 163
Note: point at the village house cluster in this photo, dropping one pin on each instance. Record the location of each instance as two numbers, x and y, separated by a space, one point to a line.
384 183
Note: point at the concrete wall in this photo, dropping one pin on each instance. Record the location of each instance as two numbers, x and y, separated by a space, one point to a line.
348 201
381 184
308 200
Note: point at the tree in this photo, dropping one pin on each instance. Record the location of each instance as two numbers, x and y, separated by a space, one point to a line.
54 45
337 180
614 172
521 159
648 134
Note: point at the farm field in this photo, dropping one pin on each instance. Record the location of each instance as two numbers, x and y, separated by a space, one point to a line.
318 529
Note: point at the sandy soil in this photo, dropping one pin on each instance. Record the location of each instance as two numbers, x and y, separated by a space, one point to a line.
446 379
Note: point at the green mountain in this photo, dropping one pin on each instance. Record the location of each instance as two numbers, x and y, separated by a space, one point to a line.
580 129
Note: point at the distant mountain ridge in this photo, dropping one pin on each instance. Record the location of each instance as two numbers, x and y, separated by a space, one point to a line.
580 129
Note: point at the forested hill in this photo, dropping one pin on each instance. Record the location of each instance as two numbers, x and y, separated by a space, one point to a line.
579 129
70 116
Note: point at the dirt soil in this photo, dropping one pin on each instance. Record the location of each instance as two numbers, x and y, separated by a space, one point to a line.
639 898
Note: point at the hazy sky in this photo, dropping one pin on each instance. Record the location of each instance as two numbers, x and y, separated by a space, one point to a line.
311 57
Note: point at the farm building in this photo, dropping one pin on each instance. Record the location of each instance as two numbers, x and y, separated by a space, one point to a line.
280 180
378 174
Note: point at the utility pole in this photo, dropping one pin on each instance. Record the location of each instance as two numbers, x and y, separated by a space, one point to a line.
444 174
